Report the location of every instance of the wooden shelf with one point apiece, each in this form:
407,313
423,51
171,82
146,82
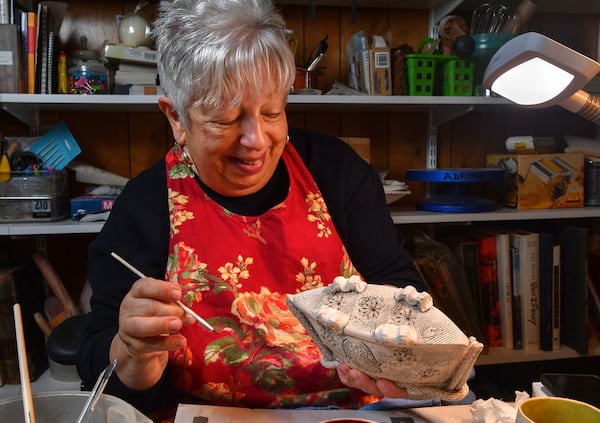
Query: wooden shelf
26,107
501,355
61,227
410,216
400,216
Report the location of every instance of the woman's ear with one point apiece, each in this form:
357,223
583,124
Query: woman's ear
166,106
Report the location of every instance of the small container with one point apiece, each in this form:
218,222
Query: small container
86,74
486,45
65,406
591,183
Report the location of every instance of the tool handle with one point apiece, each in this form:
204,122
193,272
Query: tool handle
55,284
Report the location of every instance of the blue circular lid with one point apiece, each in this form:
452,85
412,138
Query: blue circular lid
450,203
461,175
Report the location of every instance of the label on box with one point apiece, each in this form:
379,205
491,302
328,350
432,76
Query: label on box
380,78
41,208
91,204
542,181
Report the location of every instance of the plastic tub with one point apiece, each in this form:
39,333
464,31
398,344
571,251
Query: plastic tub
486,45
54,407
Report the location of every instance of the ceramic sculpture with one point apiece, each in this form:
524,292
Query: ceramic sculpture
388,332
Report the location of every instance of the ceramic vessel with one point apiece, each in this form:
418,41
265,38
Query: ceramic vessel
388,332
556,410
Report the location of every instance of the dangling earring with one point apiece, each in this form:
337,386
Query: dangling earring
182,155
287,138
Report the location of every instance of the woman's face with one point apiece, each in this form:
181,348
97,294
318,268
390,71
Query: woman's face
235,150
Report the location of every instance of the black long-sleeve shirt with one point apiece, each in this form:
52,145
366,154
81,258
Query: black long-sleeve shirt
138,230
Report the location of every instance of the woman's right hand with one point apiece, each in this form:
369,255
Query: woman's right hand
149,325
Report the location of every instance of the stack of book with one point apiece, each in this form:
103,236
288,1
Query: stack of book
135,69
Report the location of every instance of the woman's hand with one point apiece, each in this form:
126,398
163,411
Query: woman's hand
379,387
149,325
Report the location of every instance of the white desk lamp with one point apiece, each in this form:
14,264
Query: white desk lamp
535,71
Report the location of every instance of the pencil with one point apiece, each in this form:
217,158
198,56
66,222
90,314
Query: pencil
179,303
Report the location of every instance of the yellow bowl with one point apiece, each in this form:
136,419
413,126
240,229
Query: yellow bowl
556,410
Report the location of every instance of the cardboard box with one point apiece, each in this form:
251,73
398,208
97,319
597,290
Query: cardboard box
380,75
90,204
361,145
541,181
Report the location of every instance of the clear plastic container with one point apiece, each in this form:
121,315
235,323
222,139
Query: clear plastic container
55,407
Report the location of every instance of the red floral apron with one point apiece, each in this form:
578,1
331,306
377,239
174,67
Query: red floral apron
235,272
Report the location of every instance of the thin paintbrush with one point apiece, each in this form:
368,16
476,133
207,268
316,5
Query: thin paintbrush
179,303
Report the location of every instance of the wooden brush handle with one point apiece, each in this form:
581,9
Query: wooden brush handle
55,284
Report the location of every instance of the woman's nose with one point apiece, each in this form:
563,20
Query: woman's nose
253,135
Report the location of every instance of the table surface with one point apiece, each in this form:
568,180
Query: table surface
187,413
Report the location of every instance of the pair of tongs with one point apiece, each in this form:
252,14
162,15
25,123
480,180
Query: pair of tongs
101,382
320,53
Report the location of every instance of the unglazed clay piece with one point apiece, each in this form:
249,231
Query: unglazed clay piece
388,332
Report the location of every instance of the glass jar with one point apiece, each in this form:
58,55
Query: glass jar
86,74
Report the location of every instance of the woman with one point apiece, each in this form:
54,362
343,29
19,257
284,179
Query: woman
240,212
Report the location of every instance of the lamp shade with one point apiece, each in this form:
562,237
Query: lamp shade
535,71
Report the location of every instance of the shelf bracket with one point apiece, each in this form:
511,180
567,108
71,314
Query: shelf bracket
440,115
26,114
431,156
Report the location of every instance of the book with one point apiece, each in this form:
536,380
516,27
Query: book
123,53
467,252
136,67
488,284
49,19
574,308
41,54
4,12
23,29
556,287
125,77
515,266
31,50
442,273
10,76
547,294
505,288
528,245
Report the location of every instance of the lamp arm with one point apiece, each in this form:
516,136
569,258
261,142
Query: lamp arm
584,104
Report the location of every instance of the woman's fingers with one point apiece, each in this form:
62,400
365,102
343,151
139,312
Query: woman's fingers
149,318
379,387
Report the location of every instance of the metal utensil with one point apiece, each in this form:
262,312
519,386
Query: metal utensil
101,382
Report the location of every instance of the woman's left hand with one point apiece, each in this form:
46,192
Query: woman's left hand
379,387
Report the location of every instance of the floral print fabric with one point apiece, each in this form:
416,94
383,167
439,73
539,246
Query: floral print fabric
235,272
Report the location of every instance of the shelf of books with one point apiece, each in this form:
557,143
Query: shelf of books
528,289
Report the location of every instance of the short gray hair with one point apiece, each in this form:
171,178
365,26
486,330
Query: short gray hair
211,51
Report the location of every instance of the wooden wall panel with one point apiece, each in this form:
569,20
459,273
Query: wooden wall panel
103,138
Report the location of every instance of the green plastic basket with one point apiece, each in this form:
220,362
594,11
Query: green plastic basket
458,77
437,74
420,73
